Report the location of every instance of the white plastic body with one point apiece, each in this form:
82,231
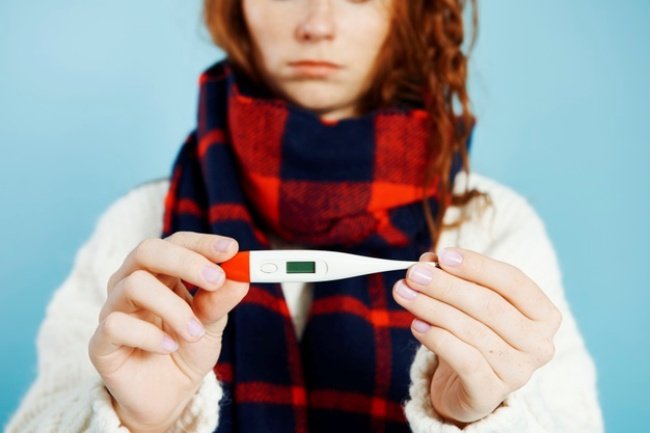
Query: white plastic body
270,266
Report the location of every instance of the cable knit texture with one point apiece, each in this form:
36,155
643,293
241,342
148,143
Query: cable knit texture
68,395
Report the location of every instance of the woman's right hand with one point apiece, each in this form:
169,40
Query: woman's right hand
155,343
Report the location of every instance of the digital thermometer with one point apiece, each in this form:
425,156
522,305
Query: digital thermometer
288,266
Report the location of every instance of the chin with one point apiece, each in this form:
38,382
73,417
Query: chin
318,107
318,98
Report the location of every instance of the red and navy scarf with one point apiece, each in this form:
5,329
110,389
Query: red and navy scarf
257,165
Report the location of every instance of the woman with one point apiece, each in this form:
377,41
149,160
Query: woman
330,125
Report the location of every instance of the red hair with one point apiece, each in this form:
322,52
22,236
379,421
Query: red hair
421,62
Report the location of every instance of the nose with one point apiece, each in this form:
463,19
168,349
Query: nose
317,22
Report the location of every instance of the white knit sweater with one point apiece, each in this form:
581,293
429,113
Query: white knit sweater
68,394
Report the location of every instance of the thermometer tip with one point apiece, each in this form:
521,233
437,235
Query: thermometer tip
238,267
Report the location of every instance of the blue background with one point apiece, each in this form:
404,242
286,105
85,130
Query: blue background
96,97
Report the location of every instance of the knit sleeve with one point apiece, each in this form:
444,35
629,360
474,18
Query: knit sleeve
561,396
68,394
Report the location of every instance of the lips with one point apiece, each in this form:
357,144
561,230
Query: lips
314,68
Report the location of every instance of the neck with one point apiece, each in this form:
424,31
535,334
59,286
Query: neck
334,115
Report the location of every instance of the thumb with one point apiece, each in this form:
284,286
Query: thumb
429,256
211,307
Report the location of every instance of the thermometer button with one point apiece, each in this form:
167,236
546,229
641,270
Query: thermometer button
269,268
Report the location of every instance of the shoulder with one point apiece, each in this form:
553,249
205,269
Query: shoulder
133,217
504,199
509,228
139,211
503,207
506,214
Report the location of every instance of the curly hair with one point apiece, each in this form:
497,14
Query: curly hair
420,63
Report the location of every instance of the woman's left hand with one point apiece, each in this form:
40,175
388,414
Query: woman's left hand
488,323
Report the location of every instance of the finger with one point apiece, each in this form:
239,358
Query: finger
429,256
176,285
211,307
143,291
118,330
181,290
216,248
505,279
499,354
169,258
468,363
479,302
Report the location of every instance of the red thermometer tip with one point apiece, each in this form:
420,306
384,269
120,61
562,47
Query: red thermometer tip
238,268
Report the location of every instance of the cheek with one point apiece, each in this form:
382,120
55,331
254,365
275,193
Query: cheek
365,35
267,28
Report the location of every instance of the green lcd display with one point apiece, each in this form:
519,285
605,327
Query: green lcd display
301,267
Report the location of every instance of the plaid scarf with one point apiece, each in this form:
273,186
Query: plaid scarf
257,165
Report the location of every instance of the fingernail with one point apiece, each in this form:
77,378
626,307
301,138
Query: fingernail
450,257
169,345
404,291
195,328
223,245
420,326
420,274
212,275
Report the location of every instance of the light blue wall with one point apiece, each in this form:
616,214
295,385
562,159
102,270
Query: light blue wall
96,97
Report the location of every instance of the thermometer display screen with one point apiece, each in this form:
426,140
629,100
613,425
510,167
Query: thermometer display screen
301,267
